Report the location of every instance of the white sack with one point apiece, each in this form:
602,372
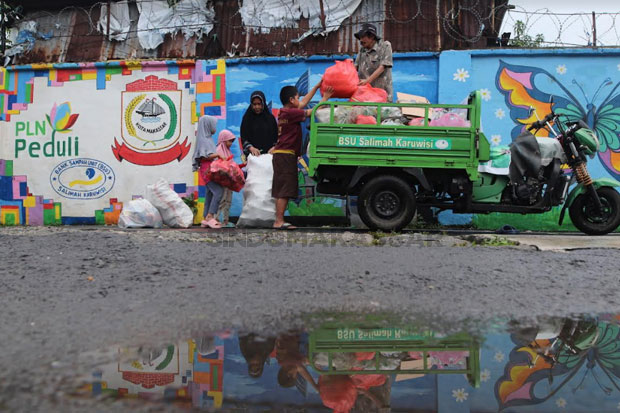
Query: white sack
173,210
139,213
119,20
259,208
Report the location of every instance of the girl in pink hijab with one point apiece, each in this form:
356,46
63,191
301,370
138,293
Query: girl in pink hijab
224,141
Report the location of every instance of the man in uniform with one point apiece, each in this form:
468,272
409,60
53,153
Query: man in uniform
374,61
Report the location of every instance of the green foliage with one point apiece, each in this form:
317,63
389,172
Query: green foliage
191,202
522,39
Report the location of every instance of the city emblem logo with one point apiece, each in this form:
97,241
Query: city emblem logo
151,123
82,178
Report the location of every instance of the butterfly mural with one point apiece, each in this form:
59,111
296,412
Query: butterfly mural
526,86
539,370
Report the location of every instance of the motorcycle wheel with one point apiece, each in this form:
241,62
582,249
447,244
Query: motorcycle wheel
386,203
587,219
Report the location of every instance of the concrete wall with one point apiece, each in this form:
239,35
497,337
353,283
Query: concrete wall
96,152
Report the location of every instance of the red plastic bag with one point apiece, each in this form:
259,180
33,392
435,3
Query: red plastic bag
363,356
366,381
227,173
368,93
365,120
337,392
342,77
416,122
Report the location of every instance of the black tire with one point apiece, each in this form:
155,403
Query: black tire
584,216
386,203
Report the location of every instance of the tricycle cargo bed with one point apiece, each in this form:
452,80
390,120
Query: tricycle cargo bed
338,141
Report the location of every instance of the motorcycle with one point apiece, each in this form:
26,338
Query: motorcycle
541,171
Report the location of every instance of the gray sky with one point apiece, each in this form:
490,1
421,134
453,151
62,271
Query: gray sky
570,29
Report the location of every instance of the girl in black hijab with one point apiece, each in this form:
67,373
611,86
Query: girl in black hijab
259,129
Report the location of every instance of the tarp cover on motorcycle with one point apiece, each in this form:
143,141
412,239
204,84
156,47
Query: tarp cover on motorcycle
524,158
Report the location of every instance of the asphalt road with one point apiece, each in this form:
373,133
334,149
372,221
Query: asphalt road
67,291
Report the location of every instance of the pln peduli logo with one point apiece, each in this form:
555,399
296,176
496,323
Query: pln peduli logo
151,111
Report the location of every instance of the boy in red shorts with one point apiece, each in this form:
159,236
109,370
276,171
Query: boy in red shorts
288,148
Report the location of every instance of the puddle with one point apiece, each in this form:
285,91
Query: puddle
567,365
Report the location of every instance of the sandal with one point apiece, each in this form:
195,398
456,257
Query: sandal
212,223
286,226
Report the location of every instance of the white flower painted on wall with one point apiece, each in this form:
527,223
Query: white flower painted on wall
496,139
499,113
561,69
461,75
460,395
561,403
485,375
486,94
499,357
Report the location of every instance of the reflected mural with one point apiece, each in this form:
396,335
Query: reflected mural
566,364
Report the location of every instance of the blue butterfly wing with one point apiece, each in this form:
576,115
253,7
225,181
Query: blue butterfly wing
606,124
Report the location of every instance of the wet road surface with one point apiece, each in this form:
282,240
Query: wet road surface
69,292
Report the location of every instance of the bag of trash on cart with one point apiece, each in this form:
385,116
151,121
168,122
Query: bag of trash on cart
139,213
259,208
174,212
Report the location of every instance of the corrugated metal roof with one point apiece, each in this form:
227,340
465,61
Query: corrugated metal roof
410,25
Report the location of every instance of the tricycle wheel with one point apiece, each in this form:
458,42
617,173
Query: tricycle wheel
386,203
588,219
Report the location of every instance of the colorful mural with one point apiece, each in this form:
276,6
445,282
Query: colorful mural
188,371
559,365
56,121
582,86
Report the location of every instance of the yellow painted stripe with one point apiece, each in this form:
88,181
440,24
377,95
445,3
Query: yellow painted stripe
84,182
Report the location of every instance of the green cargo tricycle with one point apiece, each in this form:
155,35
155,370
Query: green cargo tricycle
405,352
441,159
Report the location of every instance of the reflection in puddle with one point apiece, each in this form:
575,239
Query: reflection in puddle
572,365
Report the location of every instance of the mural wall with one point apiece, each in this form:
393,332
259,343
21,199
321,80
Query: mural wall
78,140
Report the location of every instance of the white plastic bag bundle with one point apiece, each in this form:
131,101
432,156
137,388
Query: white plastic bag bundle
139,213
259,208
173,210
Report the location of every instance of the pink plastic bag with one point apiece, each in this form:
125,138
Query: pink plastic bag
227,173
367,93
365,120
343,77
450,119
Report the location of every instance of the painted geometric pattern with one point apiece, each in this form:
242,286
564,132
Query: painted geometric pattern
204,79
18,206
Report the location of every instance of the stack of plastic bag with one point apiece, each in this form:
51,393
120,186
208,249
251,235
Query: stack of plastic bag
139,213
173,210
259,208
